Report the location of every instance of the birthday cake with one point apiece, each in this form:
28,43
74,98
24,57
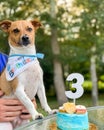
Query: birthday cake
72,117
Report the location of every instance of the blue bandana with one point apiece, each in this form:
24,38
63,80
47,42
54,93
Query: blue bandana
18,63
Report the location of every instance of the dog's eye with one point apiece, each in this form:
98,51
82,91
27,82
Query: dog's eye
29,29
16,30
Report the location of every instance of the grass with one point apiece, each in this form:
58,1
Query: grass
84,100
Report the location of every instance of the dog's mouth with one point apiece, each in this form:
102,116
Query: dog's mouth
24,41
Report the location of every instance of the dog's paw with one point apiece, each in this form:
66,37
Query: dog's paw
38,116
54,111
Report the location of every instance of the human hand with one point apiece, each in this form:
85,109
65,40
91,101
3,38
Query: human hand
9,109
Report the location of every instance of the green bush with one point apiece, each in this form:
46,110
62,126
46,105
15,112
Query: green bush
87,85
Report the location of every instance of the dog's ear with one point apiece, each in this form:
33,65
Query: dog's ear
36,24
4,25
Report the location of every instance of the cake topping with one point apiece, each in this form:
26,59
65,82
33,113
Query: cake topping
80,109
71,108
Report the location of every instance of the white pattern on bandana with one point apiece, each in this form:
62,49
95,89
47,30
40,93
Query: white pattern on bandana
18,63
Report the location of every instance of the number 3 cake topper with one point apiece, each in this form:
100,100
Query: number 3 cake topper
77,85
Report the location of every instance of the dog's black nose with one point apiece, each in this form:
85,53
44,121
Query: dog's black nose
25,40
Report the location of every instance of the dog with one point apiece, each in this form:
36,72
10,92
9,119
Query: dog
23,76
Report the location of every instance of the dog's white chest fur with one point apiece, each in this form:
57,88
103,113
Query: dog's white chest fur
31,79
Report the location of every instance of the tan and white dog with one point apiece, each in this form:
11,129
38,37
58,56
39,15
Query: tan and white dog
25,84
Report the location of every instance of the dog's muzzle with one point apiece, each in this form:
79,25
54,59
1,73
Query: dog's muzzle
25,40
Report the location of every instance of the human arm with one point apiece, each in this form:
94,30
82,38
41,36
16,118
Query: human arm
11,108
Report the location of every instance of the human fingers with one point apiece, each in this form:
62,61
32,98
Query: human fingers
11,108
10,105
10,102
7,119
25,116
9,113
9,116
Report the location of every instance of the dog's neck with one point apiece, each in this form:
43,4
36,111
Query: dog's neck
30,50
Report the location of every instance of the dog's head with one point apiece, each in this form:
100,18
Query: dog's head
21,32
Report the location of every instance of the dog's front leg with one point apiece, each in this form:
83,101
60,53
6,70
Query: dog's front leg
43,100
21,95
